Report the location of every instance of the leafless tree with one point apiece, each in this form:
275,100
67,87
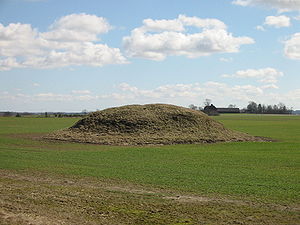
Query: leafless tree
207,102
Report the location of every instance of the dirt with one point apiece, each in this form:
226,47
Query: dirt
39,198
152,124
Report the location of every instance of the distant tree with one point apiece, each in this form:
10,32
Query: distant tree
264,108
192,106
285,110
269,109
252,107
207,102
7,113
231,106
259,109
18,115
281,108
275,109
84,112
46,114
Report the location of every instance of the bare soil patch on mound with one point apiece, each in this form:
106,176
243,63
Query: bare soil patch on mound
151,124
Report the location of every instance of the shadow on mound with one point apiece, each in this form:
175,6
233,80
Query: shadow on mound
151,124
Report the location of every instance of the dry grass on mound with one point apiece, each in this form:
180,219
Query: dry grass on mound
151,124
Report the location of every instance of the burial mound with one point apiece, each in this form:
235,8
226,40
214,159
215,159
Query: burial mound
151,124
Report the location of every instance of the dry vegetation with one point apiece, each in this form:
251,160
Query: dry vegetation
149,125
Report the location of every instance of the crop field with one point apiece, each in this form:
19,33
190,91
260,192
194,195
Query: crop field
52,182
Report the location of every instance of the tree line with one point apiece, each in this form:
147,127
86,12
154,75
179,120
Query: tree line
252,107
280,108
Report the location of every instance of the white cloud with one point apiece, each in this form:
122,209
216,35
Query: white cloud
270,86
264,75
259,27
275,21
52,97
63,97
83,54
292,47
77,95
86,97
81,92
35,84
8,63
71,40
281,5
222,59
163,25
157,39
278,21
18,40
202,23
77,27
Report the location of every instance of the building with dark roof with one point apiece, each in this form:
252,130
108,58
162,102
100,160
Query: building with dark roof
228,110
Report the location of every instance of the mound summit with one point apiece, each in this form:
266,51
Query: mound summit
149,124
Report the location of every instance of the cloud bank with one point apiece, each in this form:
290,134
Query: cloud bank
157,39
222,94
280,5
71,40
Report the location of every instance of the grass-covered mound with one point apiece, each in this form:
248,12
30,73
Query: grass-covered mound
149,124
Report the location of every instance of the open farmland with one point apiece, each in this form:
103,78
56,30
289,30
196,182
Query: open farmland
48,182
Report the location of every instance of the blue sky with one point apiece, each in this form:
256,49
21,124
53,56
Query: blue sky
72,55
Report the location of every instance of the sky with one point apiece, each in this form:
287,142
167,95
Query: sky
74,55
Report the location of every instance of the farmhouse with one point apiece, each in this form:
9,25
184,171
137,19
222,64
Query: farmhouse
211,110
228,110
214,111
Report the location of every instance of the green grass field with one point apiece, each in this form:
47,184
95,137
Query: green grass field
269,171
47,182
